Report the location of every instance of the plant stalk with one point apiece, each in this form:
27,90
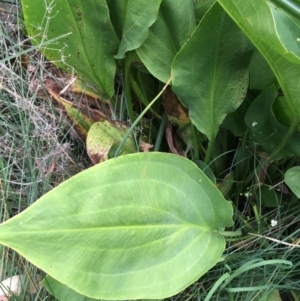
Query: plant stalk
140,117
160,132
231,233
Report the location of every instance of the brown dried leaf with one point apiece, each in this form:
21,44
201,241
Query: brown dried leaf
176,112
145,147
172,142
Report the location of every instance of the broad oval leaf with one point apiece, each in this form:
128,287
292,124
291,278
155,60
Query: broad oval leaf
269,197
207,170
235,121
288,29
256,20
139,16
210,72
292,179
201,7
75,34
282,112
140,225
291,7
266,131
62,292
117,15
175,23
260,73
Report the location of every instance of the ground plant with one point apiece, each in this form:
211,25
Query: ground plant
190,113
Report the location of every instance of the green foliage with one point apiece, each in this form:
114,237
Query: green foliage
266,130
62,292
292,179
272,296
148,225
170,214
288,30
174,25
210,74
256,21
139,16
260,73
104,137
78,29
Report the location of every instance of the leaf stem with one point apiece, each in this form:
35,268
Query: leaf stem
231,233
160,132
140,117
209,150
195,143
139,90
128,95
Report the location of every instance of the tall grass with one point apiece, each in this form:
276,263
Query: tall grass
37,151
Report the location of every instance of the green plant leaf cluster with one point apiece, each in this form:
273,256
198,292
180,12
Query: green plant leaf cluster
195,43
264,35
147,225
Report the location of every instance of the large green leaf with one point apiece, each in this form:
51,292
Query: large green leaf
63,292
210,73
292,179
266,130
261,75
254,17
140,225
175,23
89,41
117,10
282,112
139,16
235,121
288,29
201,7
292,7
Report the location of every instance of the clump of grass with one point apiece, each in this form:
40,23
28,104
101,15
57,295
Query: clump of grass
37,151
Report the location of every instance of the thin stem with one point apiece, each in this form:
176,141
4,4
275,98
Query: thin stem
160,133
128,95
195,143
140,117
209,150
139,90
231,233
